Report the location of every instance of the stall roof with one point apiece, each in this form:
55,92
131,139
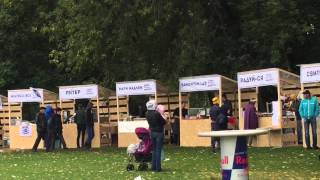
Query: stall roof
267,77
88,91
141,87
4,98
206,83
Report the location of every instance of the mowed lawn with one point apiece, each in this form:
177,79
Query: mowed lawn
182,163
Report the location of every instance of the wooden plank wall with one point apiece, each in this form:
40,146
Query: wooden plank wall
16,113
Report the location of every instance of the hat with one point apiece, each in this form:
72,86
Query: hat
42,107
215,100
253,100
293,96
306,92
58,109
151,105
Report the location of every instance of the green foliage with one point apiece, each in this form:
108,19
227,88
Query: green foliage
50,43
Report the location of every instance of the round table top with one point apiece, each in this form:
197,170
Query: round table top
230,133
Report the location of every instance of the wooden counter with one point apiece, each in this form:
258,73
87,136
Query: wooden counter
189,130
285,135
69,134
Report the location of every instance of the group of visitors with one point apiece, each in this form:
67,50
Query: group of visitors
306,110
49,127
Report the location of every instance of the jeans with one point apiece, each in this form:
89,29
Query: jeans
299,131
90,132
313,124
157,143
62,141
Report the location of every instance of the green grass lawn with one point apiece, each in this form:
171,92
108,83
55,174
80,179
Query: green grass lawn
183,163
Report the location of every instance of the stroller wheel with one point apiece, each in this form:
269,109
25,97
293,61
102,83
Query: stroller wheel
130,167
143,167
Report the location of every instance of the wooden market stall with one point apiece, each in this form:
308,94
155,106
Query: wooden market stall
281,122
22,132
127,123
191,126
68,95
310,80
4,121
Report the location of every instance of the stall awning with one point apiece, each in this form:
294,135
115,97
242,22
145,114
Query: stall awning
30,95
266,77
89,91
143,87
310,73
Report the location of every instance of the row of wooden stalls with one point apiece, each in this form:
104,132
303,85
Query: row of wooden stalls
115,123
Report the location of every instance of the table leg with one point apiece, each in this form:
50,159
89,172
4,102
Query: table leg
234,158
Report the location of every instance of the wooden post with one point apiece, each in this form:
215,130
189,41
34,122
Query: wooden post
118,114
180,114
220,92
60,103
239,106
98,109
128,113
257,99
279,99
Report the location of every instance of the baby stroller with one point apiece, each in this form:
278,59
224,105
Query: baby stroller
141,152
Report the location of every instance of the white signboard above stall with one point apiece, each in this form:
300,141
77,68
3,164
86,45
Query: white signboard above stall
258,78
310,74
78,92
200,83
136,88
25,95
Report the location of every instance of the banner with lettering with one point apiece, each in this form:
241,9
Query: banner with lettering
200,83
25,95
310,74
78,92
258,78
136,88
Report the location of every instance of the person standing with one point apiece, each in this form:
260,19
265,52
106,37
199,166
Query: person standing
227,104
176,123
214,113
294,107
250,117
80,120
41,123
309,110
89,125
156,124
51,128
58,125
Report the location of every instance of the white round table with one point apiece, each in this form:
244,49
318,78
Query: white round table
234,154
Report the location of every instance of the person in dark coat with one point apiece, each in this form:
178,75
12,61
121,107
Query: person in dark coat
59,133
41,123
156,124
294,107
89,125
214,112
228,105
80,120
176,124
51,128
250,117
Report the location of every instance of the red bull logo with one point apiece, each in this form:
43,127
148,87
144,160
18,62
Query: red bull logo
225,160
241,160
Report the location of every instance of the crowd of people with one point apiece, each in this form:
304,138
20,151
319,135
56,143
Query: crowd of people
305,108
50,128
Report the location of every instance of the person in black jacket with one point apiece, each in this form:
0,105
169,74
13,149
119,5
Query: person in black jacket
41,123
156,124
58,126
89,125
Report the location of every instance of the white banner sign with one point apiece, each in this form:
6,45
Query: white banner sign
130,126
25,129
257,79
26,95
136,88
310,74
78,92
207,83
